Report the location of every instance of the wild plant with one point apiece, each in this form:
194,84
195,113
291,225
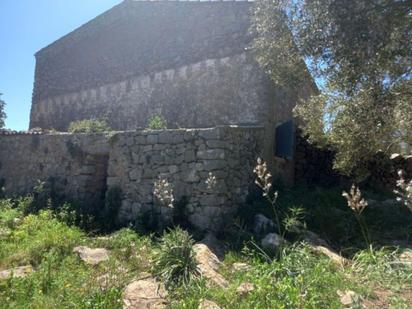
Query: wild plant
175,261
211,181
264,181
404,190
89,126
162,197
163,192
157,122
358,204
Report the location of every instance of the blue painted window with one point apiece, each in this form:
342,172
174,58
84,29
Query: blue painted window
285,140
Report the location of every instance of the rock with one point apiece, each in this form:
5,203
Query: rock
18,272
5,232
92,256
208,304
145,293
320,246
348,298
271,242
262,224
245,288
208,265
215,245
314,239
406,257
396,157
334,256
241,266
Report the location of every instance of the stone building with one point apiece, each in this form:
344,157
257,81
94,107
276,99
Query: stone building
185,60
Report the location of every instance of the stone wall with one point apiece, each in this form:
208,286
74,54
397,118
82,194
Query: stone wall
222,91
77,164
185,158
84,166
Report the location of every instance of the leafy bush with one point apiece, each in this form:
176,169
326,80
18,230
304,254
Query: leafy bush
89,126
157,122
175,260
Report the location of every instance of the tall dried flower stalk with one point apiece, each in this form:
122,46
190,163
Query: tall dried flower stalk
404,191
264,181
358,204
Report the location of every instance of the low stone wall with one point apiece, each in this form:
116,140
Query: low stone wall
86,165
76,163
185,158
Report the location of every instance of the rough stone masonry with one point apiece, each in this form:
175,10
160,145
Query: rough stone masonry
85,166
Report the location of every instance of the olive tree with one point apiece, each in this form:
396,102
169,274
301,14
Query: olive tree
360,52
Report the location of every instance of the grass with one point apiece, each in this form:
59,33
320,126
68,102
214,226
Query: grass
301,279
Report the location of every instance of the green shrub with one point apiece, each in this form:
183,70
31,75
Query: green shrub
157,122
175,262
38,235
89,126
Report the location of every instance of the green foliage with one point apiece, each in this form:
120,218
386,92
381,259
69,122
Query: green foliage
382,266
157,122
89,126
361,54
301,279
2,112
175,261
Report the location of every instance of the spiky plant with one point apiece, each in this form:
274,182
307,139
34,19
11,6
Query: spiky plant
175,261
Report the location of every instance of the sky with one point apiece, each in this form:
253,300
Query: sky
26,26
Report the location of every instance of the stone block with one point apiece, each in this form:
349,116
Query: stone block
211,154
135,174
173,169
210,165
152,138
88,170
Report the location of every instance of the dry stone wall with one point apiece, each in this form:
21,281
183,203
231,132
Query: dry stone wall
186,159
77,164
84,166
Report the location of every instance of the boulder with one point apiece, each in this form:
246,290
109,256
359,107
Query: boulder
348,298
240,267
334,256
320,246
314,239
271,242
406,257
92,256
262,224
145,293
208,265
208,304
244,289
17,272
